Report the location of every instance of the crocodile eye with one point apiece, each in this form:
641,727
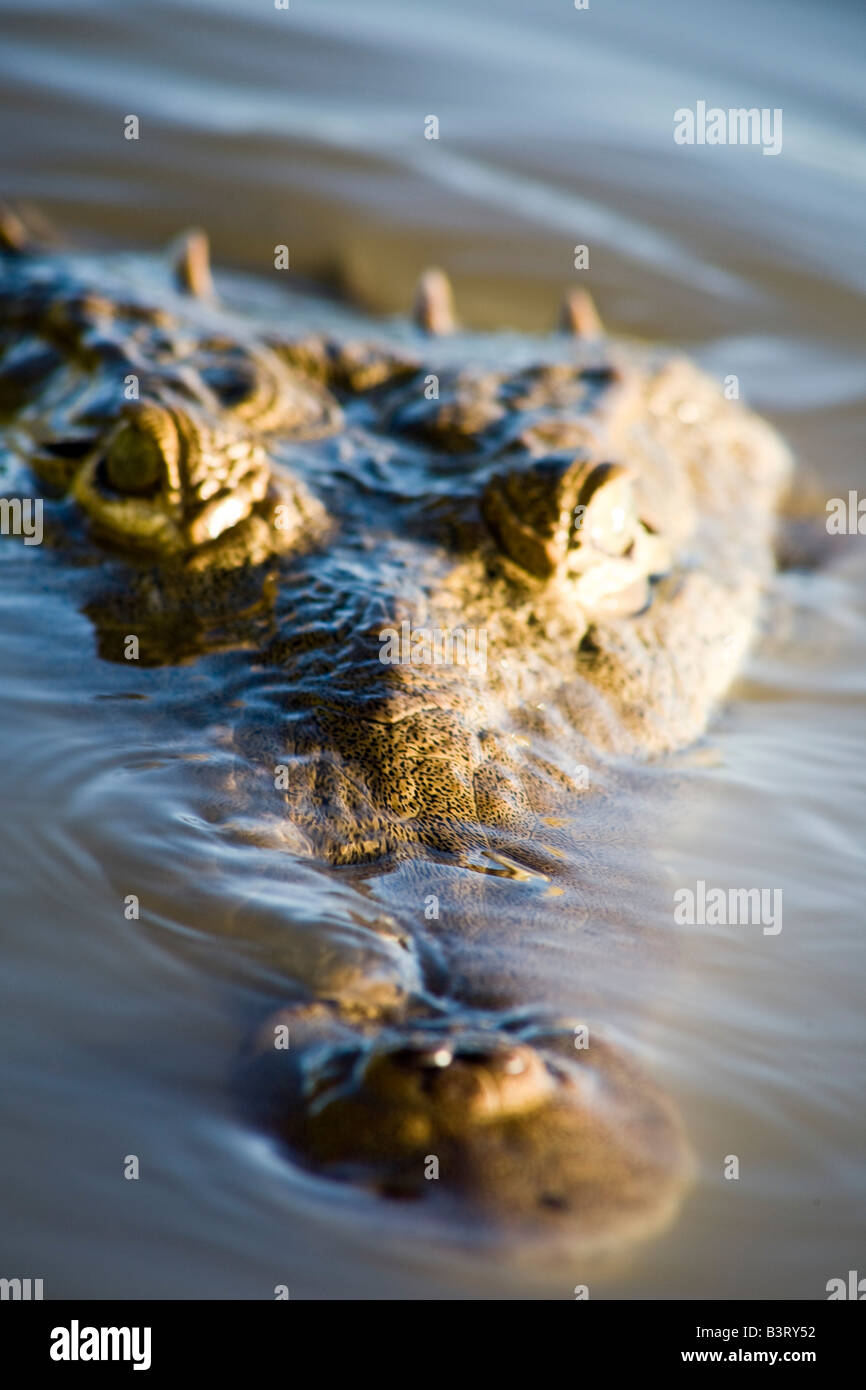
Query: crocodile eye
529,510
133,463
137,456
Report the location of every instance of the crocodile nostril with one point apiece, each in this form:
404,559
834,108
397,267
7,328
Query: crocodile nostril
421,1056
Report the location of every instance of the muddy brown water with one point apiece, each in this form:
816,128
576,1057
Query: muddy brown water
306,127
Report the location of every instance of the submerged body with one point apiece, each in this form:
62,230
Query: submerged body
475,578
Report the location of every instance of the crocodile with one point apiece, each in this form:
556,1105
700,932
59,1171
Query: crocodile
478,581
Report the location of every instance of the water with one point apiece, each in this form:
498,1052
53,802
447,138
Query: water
306,128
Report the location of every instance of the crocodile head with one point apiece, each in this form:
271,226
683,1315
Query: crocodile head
586,515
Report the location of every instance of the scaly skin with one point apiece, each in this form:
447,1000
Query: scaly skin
599,512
